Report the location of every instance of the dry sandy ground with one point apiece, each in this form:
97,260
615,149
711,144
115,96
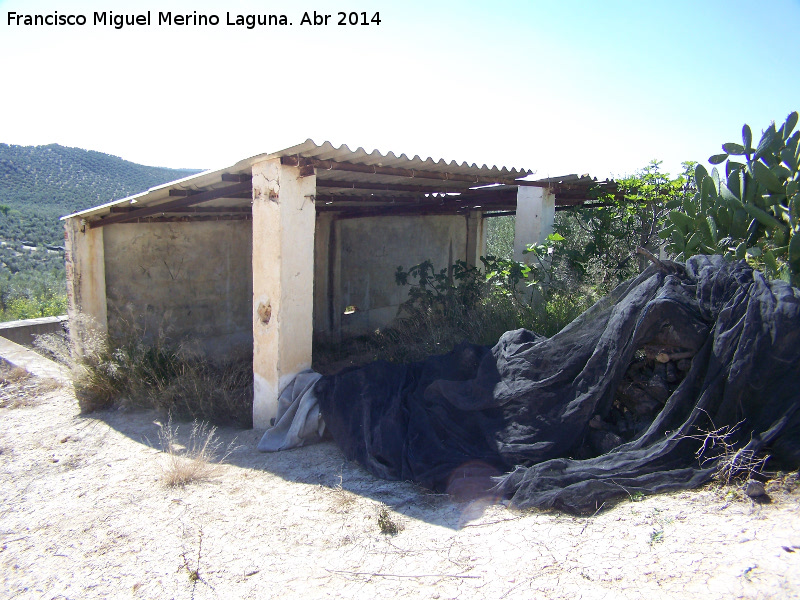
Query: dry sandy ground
85,514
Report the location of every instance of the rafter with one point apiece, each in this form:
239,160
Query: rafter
172,205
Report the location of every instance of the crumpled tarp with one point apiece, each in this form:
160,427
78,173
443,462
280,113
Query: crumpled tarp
514,416
298,421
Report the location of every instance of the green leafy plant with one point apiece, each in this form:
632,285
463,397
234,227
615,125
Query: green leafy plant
751,213
459,286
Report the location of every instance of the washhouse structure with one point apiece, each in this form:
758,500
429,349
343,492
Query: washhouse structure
284,247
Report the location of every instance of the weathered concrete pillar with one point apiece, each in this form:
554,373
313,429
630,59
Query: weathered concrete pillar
283,281
476,237
536,210
86,281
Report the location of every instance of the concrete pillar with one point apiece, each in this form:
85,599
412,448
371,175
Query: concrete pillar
86,281
476,237
536,210
283,281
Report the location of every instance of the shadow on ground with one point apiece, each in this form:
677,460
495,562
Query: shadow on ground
320,464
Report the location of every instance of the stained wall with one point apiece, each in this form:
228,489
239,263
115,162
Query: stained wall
191,281
356,259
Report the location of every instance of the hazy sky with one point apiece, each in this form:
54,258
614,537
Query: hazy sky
558,87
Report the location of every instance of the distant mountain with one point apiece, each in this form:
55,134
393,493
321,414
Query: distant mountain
39,184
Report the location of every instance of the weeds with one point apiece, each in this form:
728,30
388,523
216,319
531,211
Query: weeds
461,303
193,573
386,524
198,460
656,536
425,332
135,368
718,446
343,499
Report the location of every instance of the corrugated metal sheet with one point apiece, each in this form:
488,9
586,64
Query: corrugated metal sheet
325,151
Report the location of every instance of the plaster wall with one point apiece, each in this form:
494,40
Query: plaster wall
194,279
360,257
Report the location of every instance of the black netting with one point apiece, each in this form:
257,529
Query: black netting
612,405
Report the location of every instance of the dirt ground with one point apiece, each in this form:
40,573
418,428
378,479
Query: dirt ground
85,514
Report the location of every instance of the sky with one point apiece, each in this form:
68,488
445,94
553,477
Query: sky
557,87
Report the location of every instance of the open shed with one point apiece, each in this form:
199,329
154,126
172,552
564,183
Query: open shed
272,251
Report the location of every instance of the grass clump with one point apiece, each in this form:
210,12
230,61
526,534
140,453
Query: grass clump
197,460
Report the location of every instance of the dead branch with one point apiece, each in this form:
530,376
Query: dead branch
651,257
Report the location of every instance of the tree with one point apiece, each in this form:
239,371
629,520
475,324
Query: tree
600,246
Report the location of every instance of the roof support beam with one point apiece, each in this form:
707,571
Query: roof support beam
195,210
194,218
236,177
173,205
587,205
502,213
388,187
417,212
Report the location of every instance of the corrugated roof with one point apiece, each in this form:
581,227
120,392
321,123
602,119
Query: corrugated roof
325,151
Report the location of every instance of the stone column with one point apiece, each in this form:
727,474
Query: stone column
86,281
283,281
536,210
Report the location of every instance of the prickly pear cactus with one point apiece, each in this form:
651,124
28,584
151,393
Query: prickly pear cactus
753,212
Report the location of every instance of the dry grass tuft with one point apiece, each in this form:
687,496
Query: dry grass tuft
342,501
198,460
141,368
19,389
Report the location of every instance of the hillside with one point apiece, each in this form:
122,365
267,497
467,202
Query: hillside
38,185
43,183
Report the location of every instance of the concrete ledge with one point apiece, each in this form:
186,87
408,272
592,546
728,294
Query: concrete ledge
33,363
23,332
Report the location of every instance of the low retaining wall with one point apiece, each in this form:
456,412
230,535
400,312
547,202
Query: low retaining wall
33,363
23,332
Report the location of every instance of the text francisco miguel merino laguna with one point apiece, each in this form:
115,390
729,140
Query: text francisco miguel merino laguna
118,21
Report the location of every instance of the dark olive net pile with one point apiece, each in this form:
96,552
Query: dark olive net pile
616,403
